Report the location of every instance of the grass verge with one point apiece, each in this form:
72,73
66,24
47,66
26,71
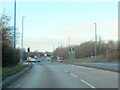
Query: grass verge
77,60
7,71
89,59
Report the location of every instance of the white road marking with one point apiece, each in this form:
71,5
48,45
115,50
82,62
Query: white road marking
80,79
87,83
73,74
69,73
65,71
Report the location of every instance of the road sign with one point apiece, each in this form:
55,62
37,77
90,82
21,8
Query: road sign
71,50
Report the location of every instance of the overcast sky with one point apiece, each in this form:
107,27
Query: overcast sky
48,23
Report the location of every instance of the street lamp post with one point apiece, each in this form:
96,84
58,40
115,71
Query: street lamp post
22,50
14,24
95,40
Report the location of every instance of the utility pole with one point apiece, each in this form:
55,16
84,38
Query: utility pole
69,51
53,48
14,24
58,50
95,40
22,49
61,45
69,47
69,41
53,54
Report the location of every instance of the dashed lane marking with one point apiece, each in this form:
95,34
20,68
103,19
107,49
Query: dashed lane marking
65,71
80,79
73,75
87,83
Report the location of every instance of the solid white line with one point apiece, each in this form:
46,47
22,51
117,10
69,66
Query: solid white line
73,74
87,83
65,71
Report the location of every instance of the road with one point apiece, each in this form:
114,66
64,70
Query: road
58,75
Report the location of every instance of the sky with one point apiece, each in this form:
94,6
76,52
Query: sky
48,25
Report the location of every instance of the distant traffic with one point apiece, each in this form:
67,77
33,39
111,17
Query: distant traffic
43,58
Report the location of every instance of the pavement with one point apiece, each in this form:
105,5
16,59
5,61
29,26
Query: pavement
47,74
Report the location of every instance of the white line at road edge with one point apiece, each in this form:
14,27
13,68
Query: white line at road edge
87,83
65,70
73,74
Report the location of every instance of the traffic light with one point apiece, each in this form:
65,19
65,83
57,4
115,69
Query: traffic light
29,49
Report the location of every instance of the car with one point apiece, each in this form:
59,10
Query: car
29,59
48,58
51,60
38,59
33,60
60,59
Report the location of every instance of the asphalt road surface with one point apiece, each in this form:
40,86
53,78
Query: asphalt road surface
58,75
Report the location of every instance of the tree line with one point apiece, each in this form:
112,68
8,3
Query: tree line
108,50
10,56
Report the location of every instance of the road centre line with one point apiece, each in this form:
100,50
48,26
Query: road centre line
87,83
80,79
73,74
70,73
65,71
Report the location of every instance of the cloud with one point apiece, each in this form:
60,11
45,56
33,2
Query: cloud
78,33
40,43
108,30
85,31
107,23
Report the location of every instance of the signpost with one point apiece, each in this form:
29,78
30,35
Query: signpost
72,54
71,50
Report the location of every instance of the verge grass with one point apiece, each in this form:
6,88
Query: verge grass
7,71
